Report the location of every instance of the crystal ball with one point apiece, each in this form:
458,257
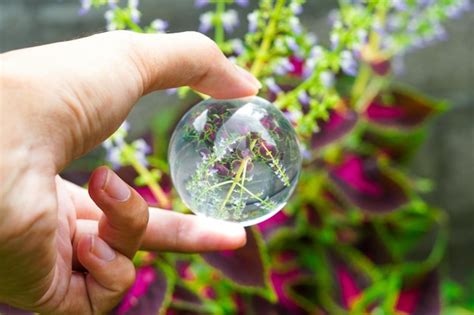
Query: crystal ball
235,160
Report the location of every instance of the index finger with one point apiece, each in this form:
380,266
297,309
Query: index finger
168,230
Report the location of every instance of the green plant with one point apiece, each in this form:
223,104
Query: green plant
344,243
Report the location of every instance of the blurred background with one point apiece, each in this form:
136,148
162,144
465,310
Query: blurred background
444,70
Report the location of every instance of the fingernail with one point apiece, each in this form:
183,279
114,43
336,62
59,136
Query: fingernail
249,77
101,250
116,188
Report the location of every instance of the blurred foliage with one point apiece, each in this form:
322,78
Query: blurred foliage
351,239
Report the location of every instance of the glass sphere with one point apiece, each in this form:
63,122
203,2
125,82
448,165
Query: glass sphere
236,160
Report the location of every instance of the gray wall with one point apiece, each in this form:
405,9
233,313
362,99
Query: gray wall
444,70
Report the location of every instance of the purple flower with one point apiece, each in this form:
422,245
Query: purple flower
242,3
327,78
201,3
333,16
296,8
315,54
292,44
205,22
303,97
133,3
112,4
159,25
230,20
439,32
283,66
295,25
253,21
348,63
237,46
293,116
85,6
400,5
272,86
135,14
334,39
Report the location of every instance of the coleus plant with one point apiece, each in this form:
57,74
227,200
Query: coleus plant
347,243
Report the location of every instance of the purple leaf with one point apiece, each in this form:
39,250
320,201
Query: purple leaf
397,146
363,183
282,282
381,67
400,109
305,293
175,311
430,300
338,125
272,226
260,306
349,288
423,299
184,298
244,266
148,295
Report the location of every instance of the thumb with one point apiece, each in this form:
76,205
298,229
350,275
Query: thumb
95,81
110,274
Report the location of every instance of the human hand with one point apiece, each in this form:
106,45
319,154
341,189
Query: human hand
59,101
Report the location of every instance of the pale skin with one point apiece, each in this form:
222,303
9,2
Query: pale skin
65,250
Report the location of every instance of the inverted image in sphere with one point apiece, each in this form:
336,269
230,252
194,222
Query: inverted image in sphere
236,160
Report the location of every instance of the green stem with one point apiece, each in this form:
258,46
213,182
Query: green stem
284,99
369,295
354,258
253,195
268,37
244,175
360,83
279,170
134,27
433,260
128,154
218,24
236,180
392,291
387,239
371,91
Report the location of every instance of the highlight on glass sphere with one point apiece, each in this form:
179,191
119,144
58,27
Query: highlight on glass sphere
235,160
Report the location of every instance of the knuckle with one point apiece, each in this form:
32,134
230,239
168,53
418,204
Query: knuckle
208,55
128,45
208,45
138,218
204,44
128,278
123,282
181,229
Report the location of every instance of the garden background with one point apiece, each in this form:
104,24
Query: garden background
444,70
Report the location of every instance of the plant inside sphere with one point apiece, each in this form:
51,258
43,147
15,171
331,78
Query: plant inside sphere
236,160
